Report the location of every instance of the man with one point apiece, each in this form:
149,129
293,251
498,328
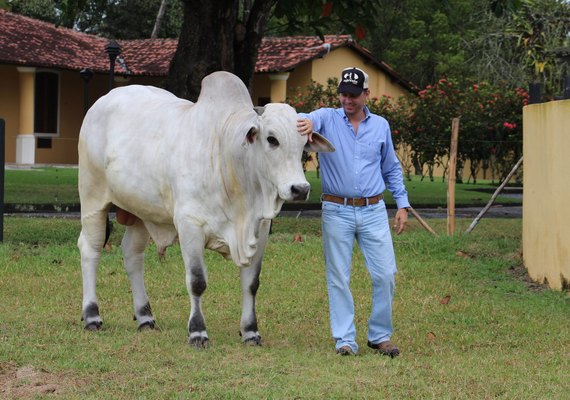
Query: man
353,179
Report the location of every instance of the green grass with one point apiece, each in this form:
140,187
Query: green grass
59,186
497,337
41,186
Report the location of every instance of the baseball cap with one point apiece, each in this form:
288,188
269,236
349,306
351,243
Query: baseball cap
353,80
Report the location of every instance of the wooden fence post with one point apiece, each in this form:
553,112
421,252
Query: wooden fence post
451,177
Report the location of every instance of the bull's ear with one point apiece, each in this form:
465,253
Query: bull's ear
259,110
319,144
251,135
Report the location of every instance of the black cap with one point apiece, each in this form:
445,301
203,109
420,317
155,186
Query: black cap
352,80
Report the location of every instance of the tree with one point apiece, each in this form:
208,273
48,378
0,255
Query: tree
226,34
130,19
217,35
159,19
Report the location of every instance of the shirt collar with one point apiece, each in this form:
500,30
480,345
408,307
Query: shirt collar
343,114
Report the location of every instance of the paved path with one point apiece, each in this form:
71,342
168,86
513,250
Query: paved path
426,213
468,212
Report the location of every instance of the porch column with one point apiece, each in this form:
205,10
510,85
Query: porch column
278,87
26,141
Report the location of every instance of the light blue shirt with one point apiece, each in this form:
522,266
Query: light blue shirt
364,164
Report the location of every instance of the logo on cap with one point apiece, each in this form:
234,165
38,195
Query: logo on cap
350,77
353,80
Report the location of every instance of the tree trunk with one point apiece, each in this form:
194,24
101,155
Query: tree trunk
246,44
213,38
159,19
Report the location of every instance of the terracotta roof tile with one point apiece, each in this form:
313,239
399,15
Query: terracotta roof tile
148,56
29,42
278,54
26,41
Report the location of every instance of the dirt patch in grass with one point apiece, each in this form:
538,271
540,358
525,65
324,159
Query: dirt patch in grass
27,382
520,273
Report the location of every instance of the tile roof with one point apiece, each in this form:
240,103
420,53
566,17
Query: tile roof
28,42
279,54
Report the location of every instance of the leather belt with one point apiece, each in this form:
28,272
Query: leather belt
355,202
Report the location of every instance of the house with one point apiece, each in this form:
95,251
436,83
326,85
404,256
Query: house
50,75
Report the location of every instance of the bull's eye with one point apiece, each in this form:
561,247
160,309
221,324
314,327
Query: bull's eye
273,142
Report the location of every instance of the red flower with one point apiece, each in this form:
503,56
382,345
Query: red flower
327,9
360,32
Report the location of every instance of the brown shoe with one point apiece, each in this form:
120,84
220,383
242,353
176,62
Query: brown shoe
386,348
345,351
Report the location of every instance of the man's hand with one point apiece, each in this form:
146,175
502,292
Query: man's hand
305,127
400,220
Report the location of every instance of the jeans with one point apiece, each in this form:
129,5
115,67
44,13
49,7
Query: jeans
370,227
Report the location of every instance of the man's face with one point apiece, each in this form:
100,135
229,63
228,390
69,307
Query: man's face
353,104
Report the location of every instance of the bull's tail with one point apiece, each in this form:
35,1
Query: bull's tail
108,230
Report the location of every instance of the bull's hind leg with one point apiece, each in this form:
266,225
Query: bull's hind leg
133,244
90,242
249,285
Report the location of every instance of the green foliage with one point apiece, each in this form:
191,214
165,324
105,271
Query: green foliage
129,19
113,19
490,125
39,9
540,27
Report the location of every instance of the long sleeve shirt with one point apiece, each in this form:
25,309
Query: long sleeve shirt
364,164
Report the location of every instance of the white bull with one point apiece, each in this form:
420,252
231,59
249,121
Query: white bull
213,173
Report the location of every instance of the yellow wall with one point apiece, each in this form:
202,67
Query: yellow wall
330,66
546,220
71,109
64,145
9,108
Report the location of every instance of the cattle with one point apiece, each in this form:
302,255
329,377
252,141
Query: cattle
210,174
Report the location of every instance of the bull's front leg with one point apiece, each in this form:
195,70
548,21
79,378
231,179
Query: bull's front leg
249,285
192,246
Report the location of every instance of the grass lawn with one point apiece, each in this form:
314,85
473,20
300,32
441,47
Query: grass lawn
468,323
59,186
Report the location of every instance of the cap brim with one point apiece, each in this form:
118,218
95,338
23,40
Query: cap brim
349,88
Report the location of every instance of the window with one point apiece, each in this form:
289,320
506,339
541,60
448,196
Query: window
46,103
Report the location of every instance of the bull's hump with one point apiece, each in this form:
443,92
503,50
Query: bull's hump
224,89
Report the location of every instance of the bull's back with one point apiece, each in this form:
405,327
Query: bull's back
125,140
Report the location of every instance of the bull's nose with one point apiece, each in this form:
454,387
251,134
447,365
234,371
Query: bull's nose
300,192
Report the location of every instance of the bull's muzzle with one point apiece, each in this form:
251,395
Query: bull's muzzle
300,191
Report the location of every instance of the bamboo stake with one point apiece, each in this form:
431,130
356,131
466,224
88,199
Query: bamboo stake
422,222
492,200
451,181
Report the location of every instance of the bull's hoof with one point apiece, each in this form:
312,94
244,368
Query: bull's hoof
147,326
93,326
199,342
253,341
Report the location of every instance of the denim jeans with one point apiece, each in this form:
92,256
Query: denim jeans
370,227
